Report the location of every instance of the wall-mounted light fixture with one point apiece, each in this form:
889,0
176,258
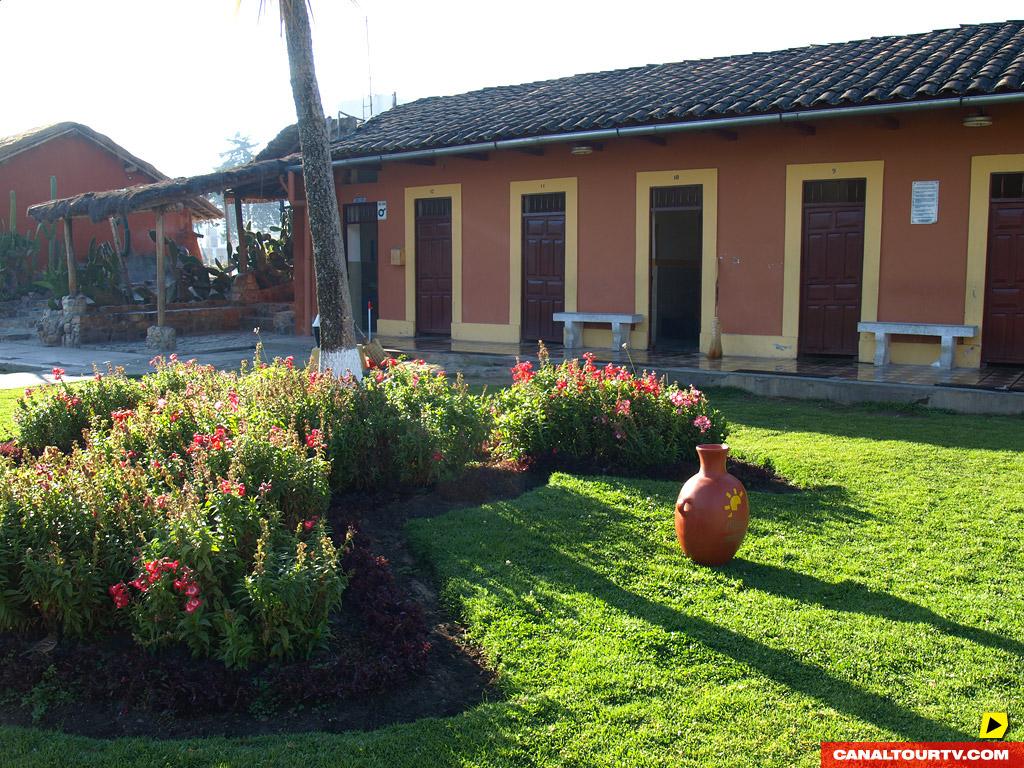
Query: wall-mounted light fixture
581,149
978,120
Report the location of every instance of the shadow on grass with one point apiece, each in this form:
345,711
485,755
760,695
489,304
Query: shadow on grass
853,597
873,421
563,554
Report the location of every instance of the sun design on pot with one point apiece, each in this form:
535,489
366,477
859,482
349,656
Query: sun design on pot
733,499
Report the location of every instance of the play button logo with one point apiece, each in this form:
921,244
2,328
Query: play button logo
994,725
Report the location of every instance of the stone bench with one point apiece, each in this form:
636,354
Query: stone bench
948,333
573,335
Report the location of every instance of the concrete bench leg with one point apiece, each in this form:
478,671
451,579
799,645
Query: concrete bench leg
946,356
618,336
571,335
881,349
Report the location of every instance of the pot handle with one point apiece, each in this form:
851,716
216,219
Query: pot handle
685,507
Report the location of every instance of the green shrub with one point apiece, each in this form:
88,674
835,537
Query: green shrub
606,418
191,507
56,414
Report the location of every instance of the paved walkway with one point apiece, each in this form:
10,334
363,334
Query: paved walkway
24,363
985,390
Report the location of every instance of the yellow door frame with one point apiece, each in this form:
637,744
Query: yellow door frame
707,178
982,168
570,187
407,327
796,174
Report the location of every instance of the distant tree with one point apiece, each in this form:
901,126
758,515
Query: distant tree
262,215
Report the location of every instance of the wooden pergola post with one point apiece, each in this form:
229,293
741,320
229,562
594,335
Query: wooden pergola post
161,278
69,249
243,251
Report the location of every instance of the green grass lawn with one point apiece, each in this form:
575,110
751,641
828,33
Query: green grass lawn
883,603
8,403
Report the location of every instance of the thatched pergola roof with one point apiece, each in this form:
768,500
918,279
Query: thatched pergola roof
263,180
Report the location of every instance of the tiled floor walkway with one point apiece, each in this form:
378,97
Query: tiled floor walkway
1005,379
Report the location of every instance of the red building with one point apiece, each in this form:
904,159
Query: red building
862,200
82,160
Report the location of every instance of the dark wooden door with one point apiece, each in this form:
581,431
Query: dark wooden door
434,266
1003,328
831,267
543,266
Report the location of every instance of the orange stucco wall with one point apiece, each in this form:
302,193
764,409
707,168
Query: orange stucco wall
922,272
81,165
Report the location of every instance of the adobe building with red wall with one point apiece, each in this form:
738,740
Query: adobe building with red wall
810,190
82,160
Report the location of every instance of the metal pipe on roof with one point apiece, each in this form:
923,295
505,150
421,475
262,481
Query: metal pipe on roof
603,134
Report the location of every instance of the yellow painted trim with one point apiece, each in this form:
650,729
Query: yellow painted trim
982,168
645,181
485,332
396,327
517,189
751,345
412,194
873,171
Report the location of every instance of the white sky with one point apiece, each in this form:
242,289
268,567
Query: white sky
170,80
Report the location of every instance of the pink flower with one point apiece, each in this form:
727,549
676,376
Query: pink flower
97,377
265,487
233,400
622,407
703,423
58,373
28,392
678,398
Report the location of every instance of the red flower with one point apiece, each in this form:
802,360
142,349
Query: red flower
121,416
290,362
438,456
58,373
308,524
522,372
622,407
97,377
119,594
314,439
229,488
192,603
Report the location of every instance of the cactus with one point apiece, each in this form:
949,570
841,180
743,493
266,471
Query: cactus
12,223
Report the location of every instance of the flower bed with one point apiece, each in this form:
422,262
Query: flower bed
581,415
189,507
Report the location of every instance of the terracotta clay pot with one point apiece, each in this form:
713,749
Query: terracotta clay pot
712,513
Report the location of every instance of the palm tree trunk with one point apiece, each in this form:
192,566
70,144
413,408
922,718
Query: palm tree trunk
337,332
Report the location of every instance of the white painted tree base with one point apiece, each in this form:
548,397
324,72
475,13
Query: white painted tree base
341,362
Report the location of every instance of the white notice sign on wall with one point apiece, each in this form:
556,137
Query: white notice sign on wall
382,209
924,202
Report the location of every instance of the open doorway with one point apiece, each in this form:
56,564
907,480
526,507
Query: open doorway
361,255
676,251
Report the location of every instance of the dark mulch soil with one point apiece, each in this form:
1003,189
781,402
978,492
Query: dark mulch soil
396,656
